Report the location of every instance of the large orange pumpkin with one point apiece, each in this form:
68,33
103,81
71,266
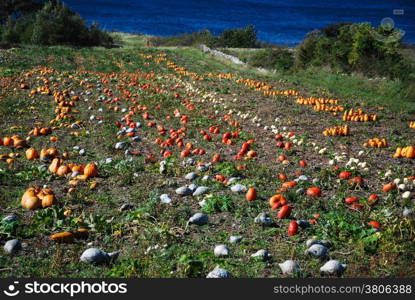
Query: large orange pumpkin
31,154
91,170
314,191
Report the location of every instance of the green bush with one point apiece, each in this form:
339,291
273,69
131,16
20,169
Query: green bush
355,48
238,38
234,38
272,58
51,24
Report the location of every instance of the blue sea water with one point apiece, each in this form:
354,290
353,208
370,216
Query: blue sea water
283,22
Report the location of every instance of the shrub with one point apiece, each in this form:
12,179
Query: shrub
238,38
51,24
355,48
234,38
272,58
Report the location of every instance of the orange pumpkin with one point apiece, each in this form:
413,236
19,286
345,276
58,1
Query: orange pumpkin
284,212
48,200
345,175
289,184
410,152
63,237
29,199
91,170
374,224
18,142
251,194
62,170
389,187
31,154
350,200
251,154
216,158
373,199
398,152
277,200
53,167
314,191
282,177
292,228
7,141
355,181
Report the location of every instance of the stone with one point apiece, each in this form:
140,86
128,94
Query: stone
317,251
74,174
303,223
333,267
263,219
12,246
183,191
238,188
221,250
232,180
9,219
262,255
203,168
97,256
120,145
207,178
289,267
163,167
200,191
313,241
165,199
234,239
199,219
408,213
219,273
191,176
192,187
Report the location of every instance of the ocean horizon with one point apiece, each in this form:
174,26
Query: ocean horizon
276,21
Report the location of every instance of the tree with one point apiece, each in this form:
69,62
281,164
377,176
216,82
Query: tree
18,8
238,38
52,24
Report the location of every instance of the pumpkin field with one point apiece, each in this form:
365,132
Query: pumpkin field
168,162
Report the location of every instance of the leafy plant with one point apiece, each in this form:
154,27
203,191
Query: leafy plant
218,204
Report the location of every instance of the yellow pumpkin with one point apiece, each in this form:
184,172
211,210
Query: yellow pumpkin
398,152
63,237
53,167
